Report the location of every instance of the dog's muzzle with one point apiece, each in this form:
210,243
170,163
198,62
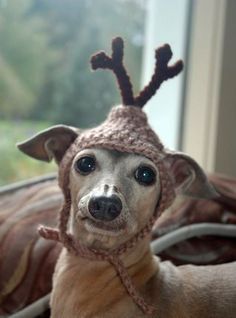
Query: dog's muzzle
105,207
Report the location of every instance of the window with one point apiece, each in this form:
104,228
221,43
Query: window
167,22
45,76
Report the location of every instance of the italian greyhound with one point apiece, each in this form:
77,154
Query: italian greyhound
116,179
113,195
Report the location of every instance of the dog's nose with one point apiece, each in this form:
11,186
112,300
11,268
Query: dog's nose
105,208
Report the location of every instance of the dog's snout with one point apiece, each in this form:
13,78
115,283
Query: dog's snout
105,208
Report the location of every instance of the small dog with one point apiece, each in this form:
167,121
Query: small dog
113,196
116,179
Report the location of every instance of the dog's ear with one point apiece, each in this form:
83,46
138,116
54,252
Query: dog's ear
188,177
49,144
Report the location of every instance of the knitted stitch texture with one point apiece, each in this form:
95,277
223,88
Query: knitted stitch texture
126,130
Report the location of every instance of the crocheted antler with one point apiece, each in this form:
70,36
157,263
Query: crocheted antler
162,71
115,63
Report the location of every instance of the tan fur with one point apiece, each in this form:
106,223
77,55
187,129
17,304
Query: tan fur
92,289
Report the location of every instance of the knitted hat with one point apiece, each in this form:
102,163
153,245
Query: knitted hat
126,129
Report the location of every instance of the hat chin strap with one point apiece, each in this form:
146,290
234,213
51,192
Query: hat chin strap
112,256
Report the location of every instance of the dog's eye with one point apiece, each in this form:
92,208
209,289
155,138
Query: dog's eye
145,175
85,165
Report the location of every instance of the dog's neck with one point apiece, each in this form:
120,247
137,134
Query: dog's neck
94,282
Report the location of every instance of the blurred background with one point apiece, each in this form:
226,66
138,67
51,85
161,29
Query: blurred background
45,77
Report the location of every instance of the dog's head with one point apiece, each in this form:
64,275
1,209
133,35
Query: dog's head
113,196
114,193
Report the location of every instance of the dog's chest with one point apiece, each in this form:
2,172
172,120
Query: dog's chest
101,294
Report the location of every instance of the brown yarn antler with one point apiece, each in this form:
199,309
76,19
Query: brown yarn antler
115,63
162,71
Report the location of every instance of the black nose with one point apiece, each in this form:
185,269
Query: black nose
105,208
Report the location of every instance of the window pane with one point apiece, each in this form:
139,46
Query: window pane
45,78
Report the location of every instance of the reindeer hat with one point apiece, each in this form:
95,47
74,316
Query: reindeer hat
126,129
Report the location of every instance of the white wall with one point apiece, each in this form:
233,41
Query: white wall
204,80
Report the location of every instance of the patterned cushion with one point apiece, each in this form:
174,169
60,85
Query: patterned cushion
26,260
